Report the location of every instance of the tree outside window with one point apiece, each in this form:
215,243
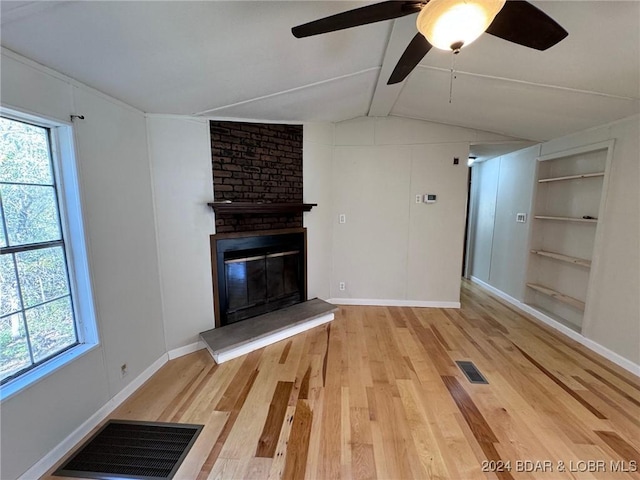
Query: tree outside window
37,318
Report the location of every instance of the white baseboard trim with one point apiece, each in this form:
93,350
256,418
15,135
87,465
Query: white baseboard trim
51,458
268,339
186,350
376,302
590,344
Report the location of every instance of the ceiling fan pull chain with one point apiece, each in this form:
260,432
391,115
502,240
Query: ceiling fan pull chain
453,69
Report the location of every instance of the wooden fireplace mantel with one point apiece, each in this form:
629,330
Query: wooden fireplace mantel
254,208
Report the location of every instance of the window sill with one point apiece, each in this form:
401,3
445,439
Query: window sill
33,376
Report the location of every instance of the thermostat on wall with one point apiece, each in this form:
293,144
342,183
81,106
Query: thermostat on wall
429,198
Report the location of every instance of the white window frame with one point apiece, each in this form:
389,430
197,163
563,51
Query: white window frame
66,176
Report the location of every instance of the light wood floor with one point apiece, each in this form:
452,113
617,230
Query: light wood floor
376,394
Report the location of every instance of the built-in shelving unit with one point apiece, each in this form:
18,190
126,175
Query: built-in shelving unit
564,258
566,299
566,219
571,177
567,206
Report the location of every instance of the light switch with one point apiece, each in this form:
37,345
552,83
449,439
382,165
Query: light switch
342,218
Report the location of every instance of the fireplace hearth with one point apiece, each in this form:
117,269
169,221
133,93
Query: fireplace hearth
257,272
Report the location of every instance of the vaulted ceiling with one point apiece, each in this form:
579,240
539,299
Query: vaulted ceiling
239,60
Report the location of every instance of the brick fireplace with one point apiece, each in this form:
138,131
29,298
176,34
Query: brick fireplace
256,163
258,253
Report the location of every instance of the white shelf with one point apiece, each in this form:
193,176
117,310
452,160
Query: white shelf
568,185
564,258
567,219
571,177
561,297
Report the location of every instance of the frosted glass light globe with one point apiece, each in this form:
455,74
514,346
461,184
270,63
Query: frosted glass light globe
451,24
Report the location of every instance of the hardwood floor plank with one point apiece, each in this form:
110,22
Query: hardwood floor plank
537,328
213,423
148,404
278,462
184,405
258,468
428,453
268,439
363,462
440,338
376,394
395,365
330,442
635,420
397,316
296,457
226,468
213,390
479,426
208,464
345,435
456,323
434,350
316,405
236,387
557,381
326,358
304,386
618,390
285,352
182,396
391,425
620,446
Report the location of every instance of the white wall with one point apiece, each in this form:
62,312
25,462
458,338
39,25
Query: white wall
485,187
317,165
115,182
371,187
390,248
510,239
612,316
180,153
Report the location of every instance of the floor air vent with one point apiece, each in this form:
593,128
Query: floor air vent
471,372
134,450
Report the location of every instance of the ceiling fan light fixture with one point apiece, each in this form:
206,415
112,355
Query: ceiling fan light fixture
453,24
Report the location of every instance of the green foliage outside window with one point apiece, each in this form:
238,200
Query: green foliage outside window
36,312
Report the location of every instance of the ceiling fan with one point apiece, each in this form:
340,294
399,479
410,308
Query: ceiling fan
448,25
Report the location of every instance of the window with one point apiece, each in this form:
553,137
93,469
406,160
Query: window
38,281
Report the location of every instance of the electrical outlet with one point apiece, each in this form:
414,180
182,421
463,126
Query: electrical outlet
123,370
418,198
521,217
342,218
342,287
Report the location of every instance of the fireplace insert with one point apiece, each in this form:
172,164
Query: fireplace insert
257,272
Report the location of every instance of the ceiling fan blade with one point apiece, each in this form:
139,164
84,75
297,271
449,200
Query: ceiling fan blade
522,23
415,51
359,16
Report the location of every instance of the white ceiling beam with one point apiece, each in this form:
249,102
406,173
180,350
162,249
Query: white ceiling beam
385,96
210,111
